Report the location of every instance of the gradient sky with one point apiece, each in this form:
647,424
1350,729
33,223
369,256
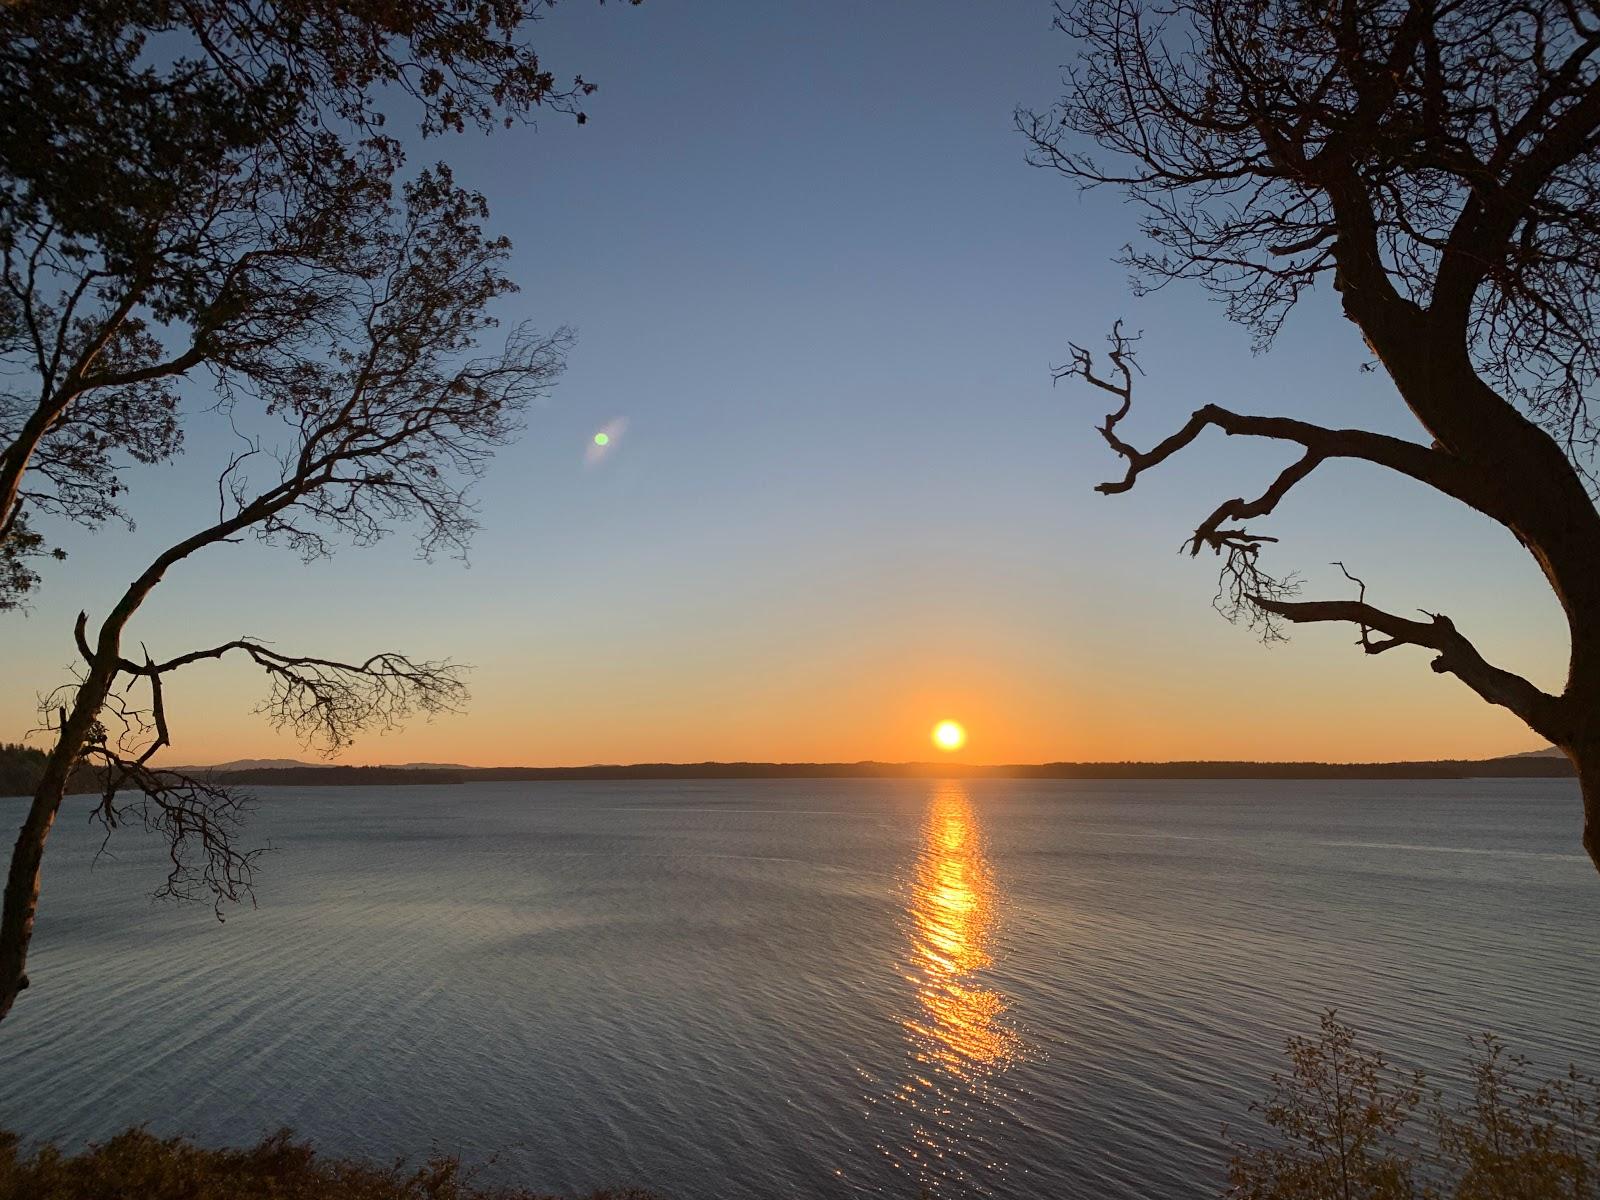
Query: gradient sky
811,272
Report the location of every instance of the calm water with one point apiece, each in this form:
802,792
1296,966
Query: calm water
801,988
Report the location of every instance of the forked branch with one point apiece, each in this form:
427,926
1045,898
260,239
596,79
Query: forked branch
1422,463
322,700
199,820
1242,578
328,702
1123,364
1247,592
1455,654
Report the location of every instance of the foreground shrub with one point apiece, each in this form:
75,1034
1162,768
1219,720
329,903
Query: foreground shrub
1347,1125
138,1166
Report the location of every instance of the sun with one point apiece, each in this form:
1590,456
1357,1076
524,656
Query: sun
949,735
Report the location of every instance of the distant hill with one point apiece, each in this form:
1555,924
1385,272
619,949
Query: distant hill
1547,752
246,764
335,776
20,768
290,764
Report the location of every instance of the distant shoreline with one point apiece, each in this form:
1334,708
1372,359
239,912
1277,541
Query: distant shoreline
335,776
22,774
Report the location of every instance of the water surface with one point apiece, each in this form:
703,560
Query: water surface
819,988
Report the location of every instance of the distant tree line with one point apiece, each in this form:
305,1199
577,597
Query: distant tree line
22,767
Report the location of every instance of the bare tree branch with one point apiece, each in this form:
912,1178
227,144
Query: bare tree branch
1455,655
1422,463
1242,579
326,701
384,412
201,823
1439,165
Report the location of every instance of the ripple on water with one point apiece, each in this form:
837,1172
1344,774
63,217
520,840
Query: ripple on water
823,988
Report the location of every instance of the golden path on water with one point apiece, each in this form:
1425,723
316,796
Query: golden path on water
954,910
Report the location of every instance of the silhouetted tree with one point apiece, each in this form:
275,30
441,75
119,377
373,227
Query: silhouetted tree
1437,163
207,189
386,416
171,176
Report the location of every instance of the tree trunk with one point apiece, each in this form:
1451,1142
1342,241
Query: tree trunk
22,881
1585,757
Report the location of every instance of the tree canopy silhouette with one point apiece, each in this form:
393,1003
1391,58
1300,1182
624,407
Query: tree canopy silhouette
178,183
1436,162
207,191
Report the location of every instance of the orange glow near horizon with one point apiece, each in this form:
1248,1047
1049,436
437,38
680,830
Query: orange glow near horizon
881,715
622,696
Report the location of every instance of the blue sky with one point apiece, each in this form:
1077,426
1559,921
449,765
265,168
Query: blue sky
810,269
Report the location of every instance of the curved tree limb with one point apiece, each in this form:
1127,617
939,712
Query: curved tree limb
1456,655
1425,464
1439,164
1247,591
390,425
1212,532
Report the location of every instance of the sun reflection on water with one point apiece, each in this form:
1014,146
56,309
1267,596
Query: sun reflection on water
953,918
959,1034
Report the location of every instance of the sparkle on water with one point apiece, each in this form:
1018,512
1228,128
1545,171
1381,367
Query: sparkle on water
953,915
842,989
960,1036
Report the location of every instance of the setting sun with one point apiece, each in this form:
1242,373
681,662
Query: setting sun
949,735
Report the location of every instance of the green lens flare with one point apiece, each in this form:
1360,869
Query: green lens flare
602,439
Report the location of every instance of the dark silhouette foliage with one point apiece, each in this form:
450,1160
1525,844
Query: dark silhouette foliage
20,768
208,192
175,179
138,1164
1437,165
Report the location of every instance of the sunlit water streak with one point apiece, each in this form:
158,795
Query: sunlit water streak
959,1035
817,988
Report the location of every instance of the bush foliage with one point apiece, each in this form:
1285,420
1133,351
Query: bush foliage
1345,1124
139,1166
